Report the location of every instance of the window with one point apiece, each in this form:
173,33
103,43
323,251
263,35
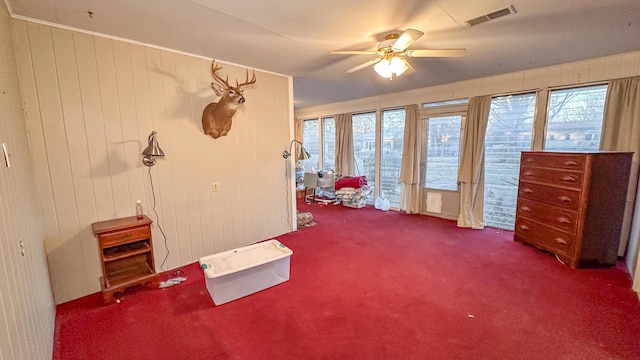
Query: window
508,134
391,159
574,118
310,141
370,145
364,147
443,149
328,144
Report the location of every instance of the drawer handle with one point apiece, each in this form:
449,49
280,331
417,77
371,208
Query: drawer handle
563,220
528,173
527,190
570,163
568,178
524,227
126,235
565,199
525,209
561,241
529,160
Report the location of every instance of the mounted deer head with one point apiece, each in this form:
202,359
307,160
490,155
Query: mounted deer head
216,117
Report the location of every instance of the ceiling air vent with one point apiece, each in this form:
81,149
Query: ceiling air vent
491,16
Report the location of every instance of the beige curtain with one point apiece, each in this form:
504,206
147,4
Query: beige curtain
410,182
345,159
298,127
471,174
621,132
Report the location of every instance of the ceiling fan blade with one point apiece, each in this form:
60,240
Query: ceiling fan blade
352,52
364,65
406,39
410,69
436,53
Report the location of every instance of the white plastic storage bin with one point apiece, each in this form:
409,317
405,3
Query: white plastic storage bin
232,274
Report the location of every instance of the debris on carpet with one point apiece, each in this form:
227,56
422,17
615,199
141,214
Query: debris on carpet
175,281
305,219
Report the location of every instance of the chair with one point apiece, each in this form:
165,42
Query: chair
310,183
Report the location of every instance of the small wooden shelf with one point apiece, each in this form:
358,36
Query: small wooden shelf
126,254
129,274
126,250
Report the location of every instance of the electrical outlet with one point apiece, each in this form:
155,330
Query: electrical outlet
215,187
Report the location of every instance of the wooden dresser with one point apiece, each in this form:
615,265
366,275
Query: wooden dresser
126,254
571,204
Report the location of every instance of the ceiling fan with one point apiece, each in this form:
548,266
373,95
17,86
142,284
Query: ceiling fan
391,62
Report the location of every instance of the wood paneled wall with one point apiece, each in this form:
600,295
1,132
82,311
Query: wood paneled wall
91,103
27,309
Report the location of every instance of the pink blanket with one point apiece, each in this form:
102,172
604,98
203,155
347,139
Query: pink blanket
353,181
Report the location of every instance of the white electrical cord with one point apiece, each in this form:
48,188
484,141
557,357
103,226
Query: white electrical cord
287,173
153,193
178,278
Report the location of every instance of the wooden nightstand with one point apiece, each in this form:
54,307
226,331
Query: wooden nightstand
126,254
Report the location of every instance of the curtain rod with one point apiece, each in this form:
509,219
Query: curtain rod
568,86
534,90
590,83
559,87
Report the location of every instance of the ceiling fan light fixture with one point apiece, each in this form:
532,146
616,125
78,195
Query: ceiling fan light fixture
390,68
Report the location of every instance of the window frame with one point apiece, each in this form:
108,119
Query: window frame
568,137
325,147
386,173
505,219
423,165
440,111
369,145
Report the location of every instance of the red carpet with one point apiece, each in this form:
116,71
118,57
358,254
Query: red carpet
367,284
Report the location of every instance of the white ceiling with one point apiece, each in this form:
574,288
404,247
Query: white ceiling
294,37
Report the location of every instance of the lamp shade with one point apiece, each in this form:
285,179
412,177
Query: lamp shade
389,68
303,154
153,149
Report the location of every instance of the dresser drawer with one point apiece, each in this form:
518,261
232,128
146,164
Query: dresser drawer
551,215
562,161
550,176
565,198
124,236
544,236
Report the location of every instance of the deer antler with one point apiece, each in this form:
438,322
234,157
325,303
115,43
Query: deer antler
247,82
225,82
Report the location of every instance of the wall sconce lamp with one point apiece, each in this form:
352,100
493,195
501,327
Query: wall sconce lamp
301,155
152,150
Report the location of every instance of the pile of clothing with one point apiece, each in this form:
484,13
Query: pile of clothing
352,191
